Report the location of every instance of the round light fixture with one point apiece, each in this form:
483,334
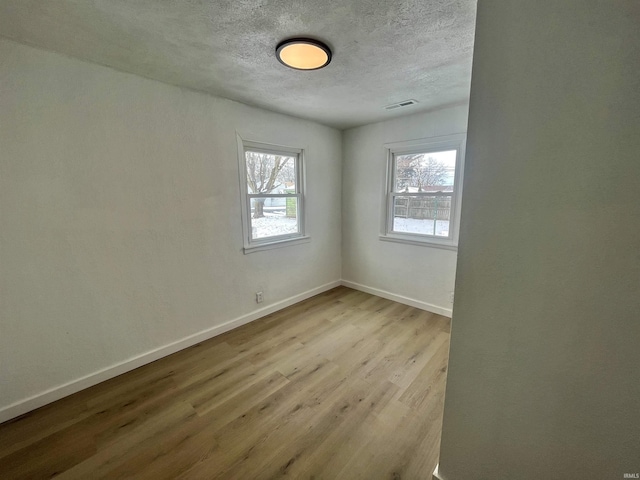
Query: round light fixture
303,54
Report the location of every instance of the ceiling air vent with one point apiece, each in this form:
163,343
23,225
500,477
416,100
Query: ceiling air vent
404,103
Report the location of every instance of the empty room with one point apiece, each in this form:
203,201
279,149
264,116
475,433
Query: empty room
320,240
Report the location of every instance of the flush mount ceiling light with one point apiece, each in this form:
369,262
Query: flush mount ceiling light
303,54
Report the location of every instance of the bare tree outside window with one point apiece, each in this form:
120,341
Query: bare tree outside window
268,173
416,171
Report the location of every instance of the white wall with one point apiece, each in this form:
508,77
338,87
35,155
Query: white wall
424,274
120,219
544,377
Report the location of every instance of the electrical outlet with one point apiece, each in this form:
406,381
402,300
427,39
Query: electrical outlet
259,297
450,297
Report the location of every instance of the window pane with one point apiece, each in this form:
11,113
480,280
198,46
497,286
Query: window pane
425,172
422,215
270,173
271,217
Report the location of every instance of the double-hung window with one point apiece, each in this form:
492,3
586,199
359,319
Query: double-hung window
271,181
423,191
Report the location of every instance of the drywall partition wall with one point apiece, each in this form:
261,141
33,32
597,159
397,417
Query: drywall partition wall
419,275
120,225
544,374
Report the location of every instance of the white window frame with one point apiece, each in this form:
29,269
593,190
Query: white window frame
427,145
255,245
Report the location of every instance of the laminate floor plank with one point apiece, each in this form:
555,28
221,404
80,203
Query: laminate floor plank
344,385
118,451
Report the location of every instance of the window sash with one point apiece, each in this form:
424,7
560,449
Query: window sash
296,166
272,195
275,238
418,195
423,194
435,220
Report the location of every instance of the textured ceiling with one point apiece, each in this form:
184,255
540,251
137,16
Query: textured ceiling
384,51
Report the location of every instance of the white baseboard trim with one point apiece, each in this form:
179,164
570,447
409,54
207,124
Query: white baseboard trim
399,298
56,393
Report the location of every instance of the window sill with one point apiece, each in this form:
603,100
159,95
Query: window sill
443,244
276,244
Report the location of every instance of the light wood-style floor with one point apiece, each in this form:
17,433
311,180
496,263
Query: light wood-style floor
343,385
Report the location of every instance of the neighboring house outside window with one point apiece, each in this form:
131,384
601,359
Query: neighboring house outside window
423,191
271,183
